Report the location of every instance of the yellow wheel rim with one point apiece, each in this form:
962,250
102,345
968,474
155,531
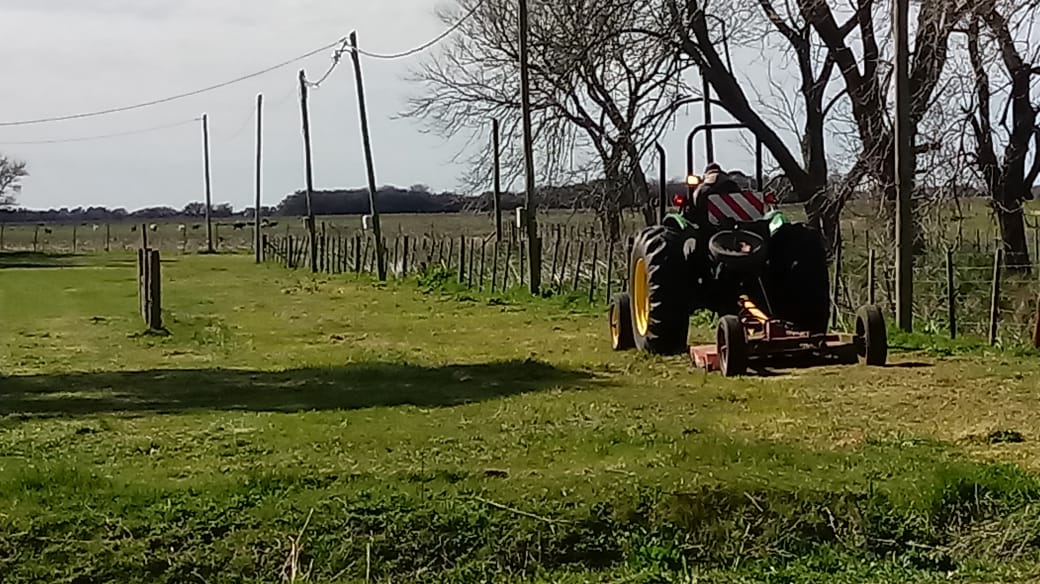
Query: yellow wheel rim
641,297
615,325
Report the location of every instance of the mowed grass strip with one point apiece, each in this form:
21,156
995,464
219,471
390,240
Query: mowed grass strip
333,427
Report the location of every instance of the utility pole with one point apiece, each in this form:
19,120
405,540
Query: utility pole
709,138
498,179
534,251
257,243
904,169
369,164
308,162
209,187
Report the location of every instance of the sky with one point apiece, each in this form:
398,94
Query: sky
70,56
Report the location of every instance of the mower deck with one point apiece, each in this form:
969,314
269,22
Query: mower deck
792,348
763,340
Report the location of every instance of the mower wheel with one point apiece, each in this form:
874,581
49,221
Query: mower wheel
872,336
620,315
731,344
658,290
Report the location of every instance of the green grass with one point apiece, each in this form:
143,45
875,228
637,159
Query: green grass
414,432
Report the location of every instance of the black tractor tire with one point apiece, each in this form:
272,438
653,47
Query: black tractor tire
731,345
797,281
620,317
871,336
658,291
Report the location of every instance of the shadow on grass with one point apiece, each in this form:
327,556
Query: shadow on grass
349,387
34,260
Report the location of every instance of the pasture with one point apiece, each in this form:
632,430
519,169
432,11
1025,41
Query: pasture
290,427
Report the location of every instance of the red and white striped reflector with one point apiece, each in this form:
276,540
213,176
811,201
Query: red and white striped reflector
745,206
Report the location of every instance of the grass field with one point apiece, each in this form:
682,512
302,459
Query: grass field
333,429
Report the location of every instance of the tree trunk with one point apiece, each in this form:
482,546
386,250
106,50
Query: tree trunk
1013,237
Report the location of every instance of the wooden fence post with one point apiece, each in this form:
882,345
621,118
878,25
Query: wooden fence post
404,257
610,268
994,303
483,250
462,259
494,269
592,278
472,252
951,295
142,289
577,264
556,253
872,278
505,272
154,290
836,288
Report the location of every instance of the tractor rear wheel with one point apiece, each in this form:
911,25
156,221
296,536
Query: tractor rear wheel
620,316
657,287
797,282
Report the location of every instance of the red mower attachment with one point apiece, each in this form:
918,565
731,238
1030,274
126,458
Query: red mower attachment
752,338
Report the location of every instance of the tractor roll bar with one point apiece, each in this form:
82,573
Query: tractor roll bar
690,169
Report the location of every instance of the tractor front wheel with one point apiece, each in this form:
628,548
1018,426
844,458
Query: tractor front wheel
620,316
657,288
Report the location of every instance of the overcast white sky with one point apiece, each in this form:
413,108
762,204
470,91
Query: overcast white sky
69,56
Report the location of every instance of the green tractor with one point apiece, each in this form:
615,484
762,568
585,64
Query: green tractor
726,249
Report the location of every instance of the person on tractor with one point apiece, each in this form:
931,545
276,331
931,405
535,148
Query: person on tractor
714,181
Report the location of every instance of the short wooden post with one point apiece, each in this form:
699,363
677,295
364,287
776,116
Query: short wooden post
994,301
610,268
2,228
74,226
108,237
951,295
154,290
142,289
36,238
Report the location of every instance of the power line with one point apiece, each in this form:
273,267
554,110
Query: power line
427,44
172,97
102,136
335,62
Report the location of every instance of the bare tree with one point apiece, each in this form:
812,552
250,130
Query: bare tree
602,92
1008,75
826,39
11,174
